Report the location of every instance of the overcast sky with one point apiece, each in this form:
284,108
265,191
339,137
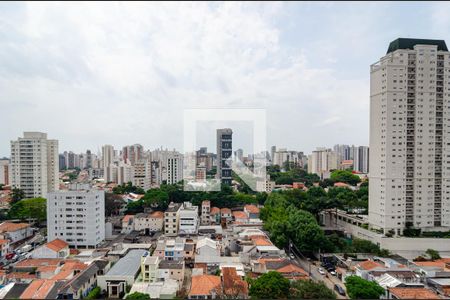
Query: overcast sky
122,73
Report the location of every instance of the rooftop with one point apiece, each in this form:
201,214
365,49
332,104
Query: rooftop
413,293
9,226
252,208
205,285
128,265
406,43
57,245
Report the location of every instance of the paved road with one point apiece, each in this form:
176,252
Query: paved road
330,281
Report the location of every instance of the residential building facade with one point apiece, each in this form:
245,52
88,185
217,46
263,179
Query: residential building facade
410,137
35,164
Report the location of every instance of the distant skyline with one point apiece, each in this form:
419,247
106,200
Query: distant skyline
90,74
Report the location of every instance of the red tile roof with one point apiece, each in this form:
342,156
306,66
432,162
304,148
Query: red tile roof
369,265
233,285
215,210
225,210
205,284
252,209
57,245
157,214
9,226
38,262
239,215
2,242
413,293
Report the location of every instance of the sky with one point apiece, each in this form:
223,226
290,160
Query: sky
118,73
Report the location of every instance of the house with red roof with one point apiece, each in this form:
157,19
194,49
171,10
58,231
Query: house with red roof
15,232
252,211
54,249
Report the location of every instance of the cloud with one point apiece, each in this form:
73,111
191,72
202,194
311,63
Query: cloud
121,73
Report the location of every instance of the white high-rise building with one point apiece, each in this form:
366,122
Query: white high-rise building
76,216
107,155
410,137
35,164
174,168
361,159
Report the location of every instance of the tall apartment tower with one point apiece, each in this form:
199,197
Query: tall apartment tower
131,154
224,152
410,137
35,164
107,160
4,171
174,168
76,216
322,161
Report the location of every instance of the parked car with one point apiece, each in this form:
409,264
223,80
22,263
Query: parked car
339,289
321,271
333,273
292,256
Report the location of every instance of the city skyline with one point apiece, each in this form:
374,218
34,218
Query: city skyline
121,89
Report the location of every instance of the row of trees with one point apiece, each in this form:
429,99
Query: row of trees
292,216
160,198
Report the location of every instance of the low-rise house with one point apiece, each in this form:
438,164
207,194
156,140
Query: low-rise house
174,249
288,268
411,293
157,290
152,222
205,287
83,282
149,267
15,232
123,273
42,289
188,219
171,219
189,251
363,269
440,285
251,211
240,217
54,249
390,280
171,270
128,224
225,215
207,251
215,215
31,264
159,250
233,285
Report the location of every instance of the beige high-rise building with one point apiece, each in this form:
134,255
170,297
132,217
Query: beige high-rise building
410,137
35,164
322,161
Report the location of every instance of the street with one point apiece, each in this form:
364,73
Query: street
330,281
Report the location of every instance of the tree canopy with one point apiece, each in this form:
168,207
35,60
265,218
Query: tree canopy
308,289
29,209
433,254
345,176
16,195
126,188
359,288
271,285
138,296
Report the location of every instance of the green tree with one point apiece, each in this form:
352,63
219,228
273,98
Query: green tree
29,208
358,288
138,296
433,254
271,285
345,176
94,293
1,186
113,204
16,195
308,289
